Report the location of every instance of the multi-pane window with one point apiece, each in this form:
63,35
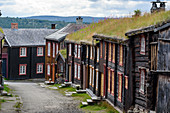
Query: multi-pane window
113,53
22,69
121,55
75,70
90,74
101,51
49,48
93,77
53,50
91,52
39,68
48,69
98,55
75,51
120,88
142,49
69,49
142,80
113,83
97,77
78,71
56,49
87,52
110,50
78,51
108,80
39,51
23,52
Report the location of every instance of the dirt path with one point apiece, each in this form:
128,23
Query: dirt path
42,100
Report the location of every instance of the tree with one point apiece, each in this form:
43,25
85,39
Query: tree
137,12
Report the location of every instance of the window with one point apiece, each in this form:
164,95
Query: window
56,49
126,82
79,51
113,54
49,48
69,49
40,68
48,69
109,80
98,55
53,50
62,68
39,51
142,80
91,52
142,49
93,76
113,76
105,50
120,88
110,51
75,70
97,77
121,55
75,53
90,74
23,52
78,71
87,50
101,47
22,69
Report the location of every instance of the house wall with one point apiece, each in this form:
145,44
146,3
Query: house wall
5,57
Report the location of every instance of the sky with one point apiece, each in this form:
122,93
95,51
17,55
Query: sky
95,8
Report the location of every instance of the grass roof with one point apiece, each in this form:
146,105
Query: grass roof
64,52
118,27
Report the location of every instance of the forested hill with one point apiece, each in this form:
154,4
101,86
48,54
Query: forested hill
5,22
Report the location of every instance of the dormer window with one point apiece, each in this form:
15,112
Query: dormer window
23,52
142,47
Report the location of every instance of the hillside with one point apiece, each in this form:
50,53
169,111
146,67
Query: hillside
118,27
5,22
86,19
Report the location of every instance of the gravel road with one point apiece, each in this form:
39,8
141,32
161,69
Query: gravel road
42,100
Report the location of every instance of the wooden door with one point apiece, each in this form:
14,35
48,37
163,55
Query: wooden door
69,73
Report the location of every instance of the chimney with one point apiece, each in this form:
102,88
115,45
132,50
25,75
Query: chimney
155,8
79,20
14,26
52,26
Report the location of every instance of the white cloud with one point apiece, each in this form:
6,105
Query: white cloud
18,8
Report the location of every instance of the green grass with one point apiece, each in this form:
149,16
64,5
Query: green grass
6,88
118,27
81,96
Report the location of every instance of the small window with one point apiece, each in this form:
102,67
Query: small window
87,52
62,68
79,72
39,51
75,70
126,82
110,50
56,49
90,74
109,80
113,54
91,52
48,69
113,76
98,55
93,77
39,68
121,55
69,49
101,51
142,49
120,88
22,69
75,52
49,48
23,52
142,80
79,51
53,50
97,77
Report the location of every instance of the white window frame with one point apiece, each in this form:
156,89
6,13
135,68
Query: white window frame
97,77
93,76
90,74
79,51
69,49
40,51
22,69
53,50
98,55
48,69
75,70
91,52
75,52
49,49
78,71
87,52
143,44
39,68
23,51
56,48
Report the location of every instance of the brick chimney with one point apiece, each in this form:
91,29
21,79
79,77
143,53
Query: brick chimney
14,26
52,26
79,20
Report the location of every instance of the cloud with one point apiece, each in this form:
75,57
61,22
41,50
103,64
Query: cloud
104,8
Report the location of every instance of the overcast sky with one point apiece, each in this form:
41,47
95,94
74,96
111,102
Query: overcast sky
97,8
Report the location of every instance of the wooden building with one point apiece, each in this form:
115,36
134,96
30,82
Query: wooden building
54,43
23,53
149,51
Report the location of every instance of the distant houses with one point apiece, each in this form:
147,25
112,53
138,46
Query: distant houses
23,53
